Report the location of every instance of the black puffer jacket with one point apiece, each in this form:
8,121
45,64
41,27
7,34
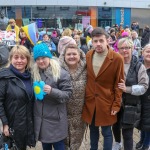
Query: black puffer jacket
16,108
145,114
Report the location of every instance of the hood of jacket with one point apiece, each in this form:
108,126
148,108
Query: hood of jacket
81,66
6,73
63,42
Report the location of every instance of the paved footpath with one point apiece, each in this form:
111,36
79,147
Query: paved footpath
86,142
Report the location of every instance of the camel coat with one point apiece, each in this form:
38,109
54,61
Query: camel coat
102,92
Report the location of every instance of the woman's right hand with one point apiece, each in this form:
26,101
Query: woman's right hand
6,130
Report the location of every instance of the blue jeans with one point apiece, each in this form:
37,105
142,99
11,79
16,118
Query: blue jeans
57,146
145,138
94,136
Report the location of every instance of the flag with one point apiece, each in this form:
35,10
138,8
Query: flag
31,32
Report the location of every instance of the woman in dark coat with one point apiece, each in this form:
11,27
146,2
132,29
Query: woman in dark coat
16,98
134,85
145,100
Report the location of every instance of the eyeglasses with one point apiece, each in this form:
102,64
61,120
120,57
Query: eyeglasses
126,48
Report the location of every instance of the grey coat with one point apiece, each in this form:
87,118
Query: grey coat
50,115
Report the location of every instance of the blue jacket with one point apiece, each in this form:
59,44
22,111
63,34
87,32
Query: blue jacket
50,45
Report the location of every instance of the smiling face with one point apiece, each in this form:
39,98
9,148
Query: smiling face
19,62
43,62
72,57
46,37
146,54
99,43
125,50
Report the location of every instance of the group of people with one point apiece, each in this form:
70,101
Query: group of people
99,87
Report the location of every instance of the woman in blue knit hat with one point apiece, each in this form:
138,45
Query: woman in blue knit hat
50,116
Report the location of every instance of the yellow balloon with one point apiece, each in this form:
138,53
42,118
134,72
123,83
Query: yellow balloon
37,89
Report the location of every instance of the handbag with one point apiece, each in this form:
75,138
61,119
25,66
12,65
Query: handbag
7,143
129,114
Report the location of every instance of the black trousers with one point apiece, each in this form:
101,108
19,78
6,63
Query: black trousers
126,133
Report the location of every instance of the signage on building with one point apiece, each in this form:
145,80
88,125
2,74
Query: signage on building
123,16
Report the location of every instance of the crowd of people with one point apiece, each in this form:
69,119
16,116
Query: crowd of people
94,78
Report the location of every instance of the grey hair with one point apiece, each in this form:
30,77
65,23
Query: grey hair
146,46
128,41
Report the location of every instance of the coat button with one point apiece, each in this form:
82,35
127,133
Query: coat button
96,95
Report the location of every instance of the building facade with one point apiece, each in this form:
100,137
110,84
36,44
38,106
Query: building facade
73,13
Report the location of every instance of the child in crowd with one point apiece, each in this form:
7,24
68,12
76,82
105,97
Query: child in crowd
49,43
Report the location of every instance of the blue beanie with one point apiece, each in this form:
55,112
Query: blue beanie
41,50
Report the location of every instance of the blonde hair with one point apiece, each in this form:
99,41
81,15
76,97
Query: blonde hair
146,47
55,69
67,32
12,20
22,50
72,46
136,35
128,30
128,41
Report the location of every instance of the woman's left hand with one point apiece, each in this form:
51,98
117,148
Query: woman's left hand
122,86
47,89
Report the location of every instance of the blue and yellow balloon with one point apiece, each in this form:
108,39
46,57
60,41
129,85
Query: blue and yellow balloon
39,89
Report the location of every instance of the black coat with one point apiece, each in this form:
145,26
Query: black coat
27,44
145,37
16,108
145,114
84,48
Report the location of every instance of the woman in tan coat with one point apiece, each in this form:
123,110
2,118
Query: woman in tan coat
73,60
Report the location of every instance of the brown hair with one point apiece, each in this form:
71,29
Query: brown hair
98,32
73,46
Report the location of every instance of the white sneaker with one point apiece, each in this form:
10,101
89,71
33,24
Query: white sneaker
117,146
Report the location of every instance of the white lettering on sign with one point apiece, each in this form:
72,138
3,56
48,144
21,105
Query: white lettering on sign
122,16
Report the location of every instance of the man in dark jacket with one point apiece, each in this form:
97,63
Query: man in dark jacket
145,36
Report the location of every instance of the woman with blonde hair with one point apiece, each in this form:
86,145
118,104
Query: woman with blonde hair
16,98
74,61
50,116
67,32
135,84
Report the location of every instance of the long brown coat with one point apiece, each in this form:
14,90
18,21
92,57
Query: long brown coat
102,93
